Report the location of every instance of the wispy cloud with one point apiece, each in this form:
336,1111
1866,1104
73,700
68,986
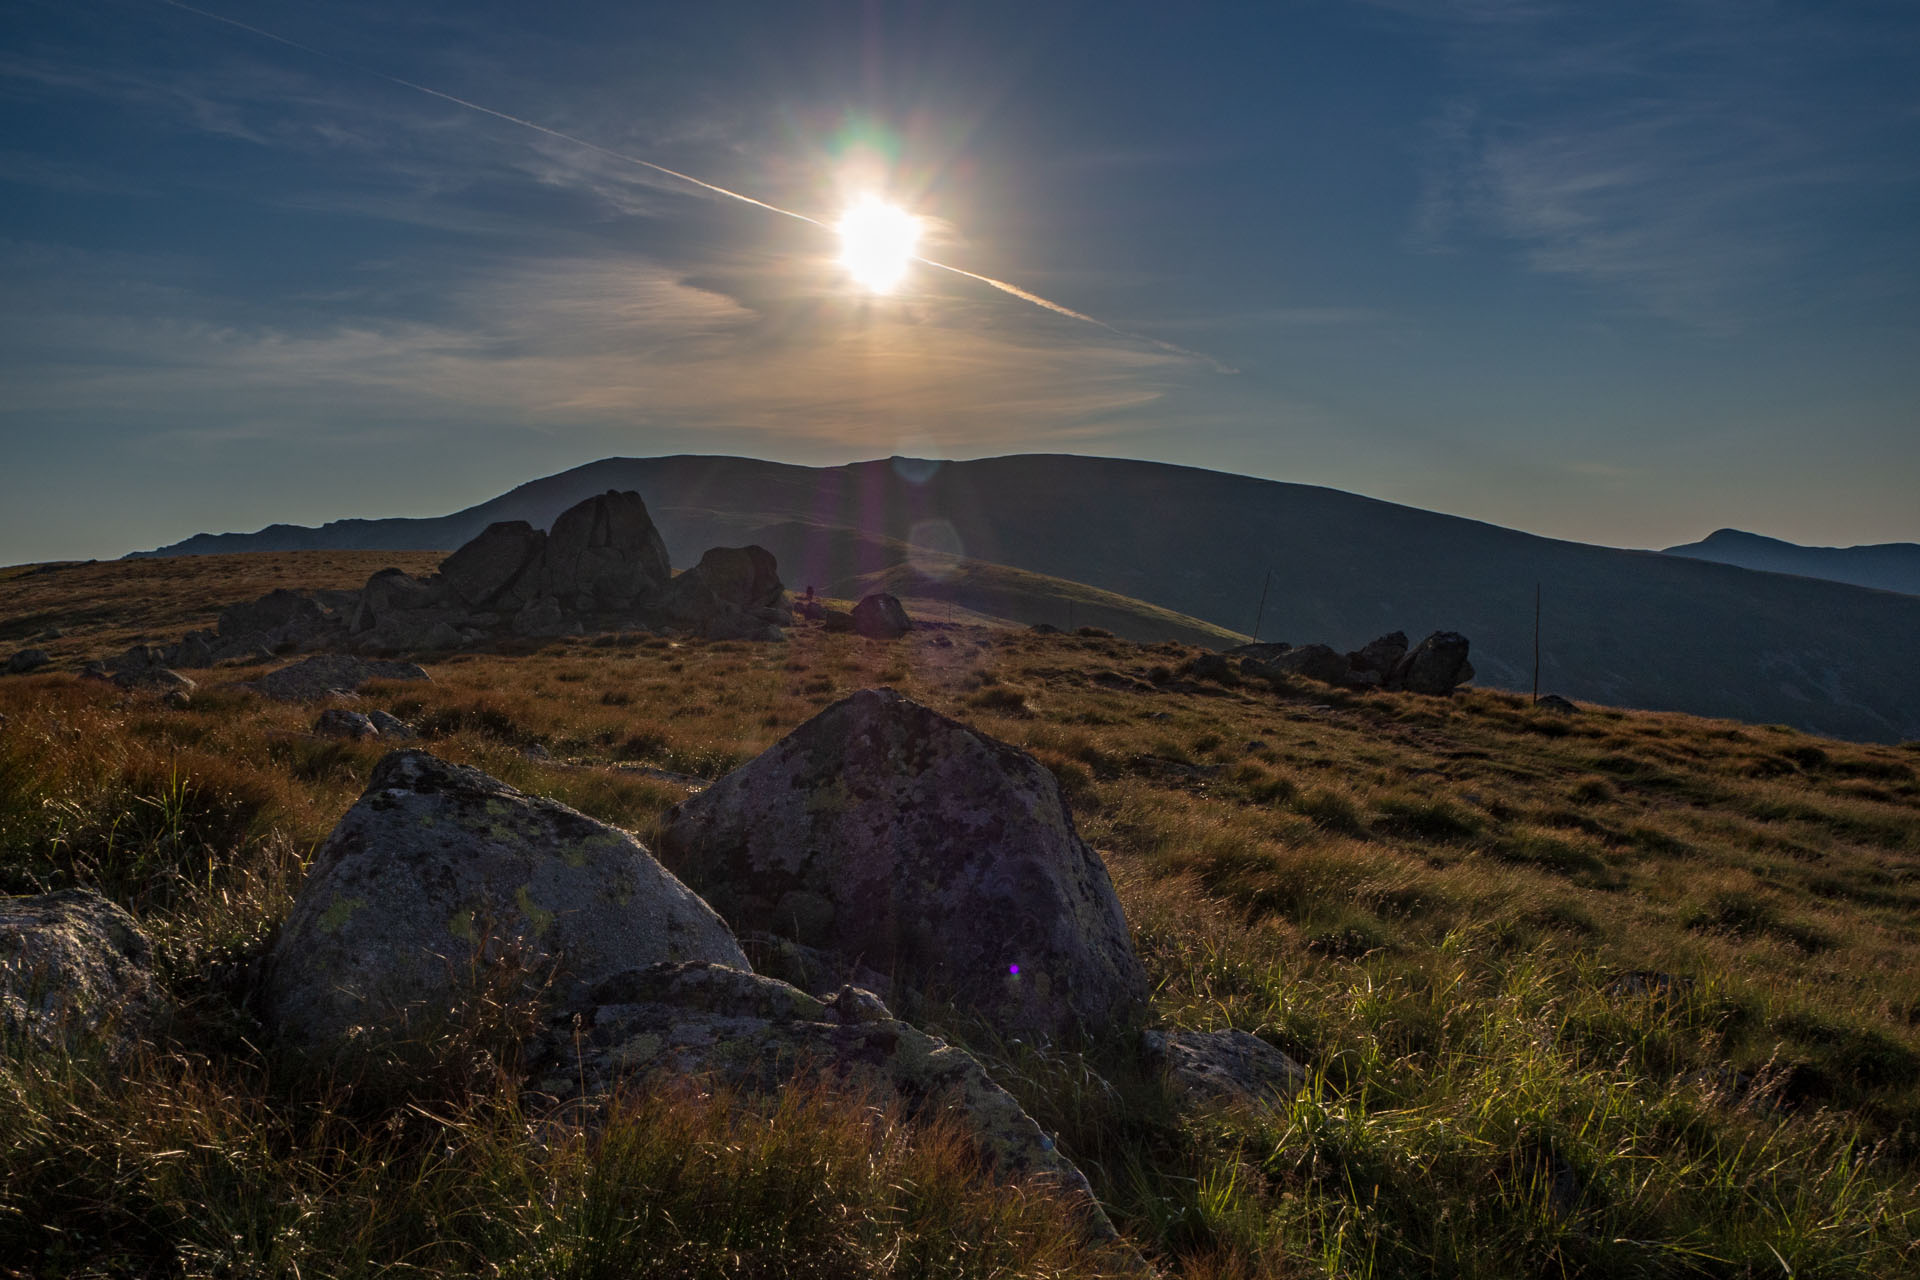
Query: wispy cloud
560,343
1683,158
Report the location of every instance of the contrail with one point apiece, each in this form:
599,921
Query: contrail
1038,301
1024,295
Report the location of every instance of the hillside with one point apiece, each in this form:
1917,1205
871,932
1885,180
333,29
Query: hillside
1610,993
1886,566
1630,628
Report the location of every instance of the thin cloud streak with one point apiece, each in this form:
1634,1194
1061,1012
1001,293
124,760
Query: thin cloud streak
713,188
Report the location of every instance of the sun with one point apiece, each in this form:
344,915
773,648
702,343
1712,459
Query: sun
877,240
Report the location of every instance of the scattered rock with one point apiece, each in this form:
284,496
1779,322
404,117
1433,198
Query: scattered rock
1314,661
1555,703
881,617
1379,657
1437,667
338,722
1212,666
1225,1066
280,613
154,680
75,968
326,674
133,658
388,725
756,1034
28,660
893,838
440,873
836,621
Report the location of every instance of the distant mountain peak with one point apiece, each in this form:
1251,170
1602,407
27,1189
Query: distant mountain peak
1885,566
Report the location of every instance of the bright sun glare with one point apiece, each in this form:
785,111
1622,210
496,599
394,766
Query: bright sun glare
877,242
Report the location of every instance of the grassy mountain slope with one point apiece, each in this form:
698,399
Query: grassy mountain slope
1619,993
1625,627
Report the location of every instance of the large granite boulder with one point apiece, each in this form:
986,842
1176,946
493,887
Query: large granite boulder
605,554
488,568
881,617
895,840
1437,667
756,1034
327,675
728,577
439,873
75,971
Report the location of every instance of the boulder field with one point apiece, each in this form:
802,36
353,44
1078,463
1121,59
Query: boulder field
881,857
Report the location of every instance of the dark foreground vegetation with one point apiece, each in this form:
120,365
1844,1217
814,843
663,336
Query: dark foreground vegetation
1603,994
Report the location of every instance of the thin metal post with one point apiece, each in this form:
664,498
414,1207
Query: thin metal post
1536,642
1261,614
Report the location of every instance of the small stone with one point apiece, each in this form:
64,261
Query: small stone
1225,1066
28,660
338,722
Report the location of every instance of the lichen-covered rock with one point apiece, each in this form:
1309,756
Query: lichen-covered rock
888,836
74,970
881,617
439,871
757,1034
327,674
1225,1066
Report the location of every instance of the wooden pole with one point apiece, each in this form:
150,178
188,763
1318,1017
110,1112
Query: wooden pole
1261,614
1536,642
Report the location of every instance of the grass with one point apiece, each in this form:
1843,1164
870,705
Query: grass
1633,995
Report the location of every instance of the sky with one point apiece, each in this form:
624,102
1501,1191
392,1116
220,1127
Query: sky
1619,272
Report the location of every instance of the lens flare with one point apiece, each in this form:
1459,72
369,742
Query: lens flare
877,241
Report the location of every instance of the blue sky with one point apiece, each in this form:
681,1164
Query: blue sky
1618,272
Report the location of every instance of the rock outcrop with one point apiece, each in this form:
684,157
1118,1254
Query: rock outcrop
602,568
329,675
75,972
757,1034
1437,667
892,840
734,593
881,617
439,874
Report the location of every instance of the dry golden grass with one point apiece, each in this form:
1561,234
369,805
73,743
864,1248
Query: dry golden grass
1616,993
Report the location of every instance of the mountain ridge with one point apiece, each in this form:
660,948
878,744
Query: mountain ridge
1630,628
